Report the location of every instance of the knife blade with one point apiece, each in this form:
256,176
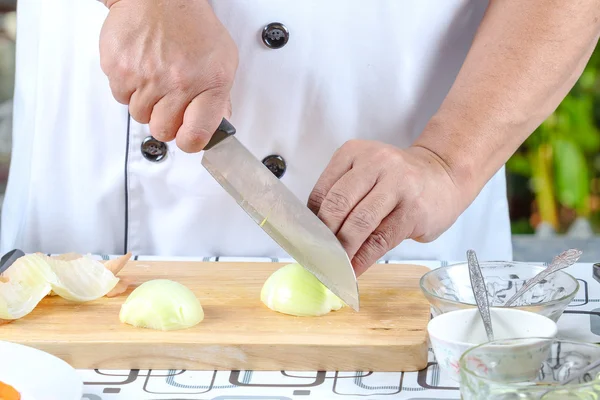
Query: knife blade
280,214
9,258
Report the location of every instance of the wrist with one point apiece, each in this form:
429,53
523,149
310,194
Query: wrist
109,3
452,148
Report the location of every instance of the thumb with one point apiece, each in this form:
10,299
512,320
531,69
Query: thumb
201,119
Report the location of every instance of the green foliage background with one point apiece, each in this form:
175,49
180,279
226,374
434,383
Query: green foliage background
555,176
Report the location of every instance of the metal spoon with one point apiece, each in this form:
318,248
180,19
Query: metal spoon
480,292
581,373
575,377
561,261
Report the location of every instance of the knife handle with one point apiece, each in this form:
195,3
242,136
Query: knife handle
223,132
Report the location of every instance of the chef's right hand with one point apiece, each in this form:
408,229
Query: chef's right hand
173,63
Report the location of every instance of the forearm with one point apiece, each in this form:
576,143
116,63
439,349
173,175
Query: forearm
525,58
110,3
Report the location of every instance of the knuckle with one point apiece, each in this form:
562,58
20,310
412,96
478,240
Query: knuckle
336,203
221,75
363,259
119,95
419,206
140,117
379,242
384,152
364,218
196,136
139,113
119,68
351,145
162,132
180,79
316,198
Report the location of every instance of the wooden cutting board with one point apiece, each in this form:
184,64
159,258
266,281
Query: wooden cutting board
239,332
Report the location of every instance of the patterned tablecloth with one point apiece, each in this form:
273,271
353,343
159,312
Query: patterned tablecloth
581,321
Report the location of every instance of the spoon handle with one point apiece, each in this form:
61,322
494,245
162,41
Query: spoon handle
575,377
480,292
561,261
581,373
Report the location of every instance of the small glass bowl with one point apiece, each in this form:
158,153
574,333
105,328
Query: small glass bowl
449,288
490,372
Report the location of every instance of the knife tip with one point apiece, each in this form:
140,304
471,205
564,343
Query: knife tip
354,304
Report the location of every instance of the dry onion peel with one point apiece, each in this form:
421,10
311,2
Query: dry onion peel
295,291
162,304
116,265
120,288
34,276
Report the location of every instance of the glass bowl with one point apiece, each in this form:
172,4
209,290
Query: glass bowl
490,372
449,288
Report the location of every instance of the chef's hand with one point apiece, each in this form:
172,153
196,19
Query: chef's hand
373,196
173,63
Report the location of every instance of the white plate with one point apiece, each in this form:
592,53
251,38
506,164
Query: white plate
38,375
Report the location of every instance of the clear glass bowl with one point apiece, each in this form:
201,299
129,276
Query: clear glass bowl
491,372
449,288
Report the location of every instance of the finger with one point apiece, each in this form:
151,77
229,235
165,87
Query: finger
340,163
389,234
201,119
366,217
167,116
344,195
122,93
141,103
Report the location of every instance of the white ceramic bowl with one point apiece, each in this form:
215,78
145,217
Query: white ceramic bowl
453,333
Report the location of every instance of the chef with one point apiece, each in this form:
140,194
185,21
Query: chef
391,119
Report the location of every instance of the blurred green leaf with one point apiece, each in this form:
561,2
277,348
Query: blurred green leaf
521,226
588,78
519,164
563,175
572,175
575,119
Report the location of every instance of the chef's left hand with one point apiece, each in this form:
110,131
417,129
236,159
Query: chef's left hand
373,196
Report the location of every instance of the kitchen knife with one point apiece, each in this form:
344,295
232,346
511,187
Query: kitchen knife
280,213
9,258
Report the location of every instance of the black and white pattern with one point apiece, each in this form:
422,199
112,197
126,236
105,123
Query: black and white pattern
581,321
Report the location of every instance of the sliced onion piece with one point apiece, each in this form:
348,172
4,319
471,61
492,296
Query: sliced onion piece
162,304
82,279
28,283
35,276
295,291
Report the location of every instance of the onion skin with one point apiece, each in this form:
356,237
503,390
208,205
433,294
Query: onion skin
293,290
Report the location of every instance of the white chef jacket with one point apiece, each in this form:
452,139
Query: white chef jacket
351,69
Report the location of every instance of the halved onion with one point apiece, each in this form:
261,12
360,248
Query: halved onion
162,304
295,291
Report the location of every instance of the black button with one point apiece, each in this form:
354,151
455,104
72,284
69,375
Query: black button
275,35
153,150
276,165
